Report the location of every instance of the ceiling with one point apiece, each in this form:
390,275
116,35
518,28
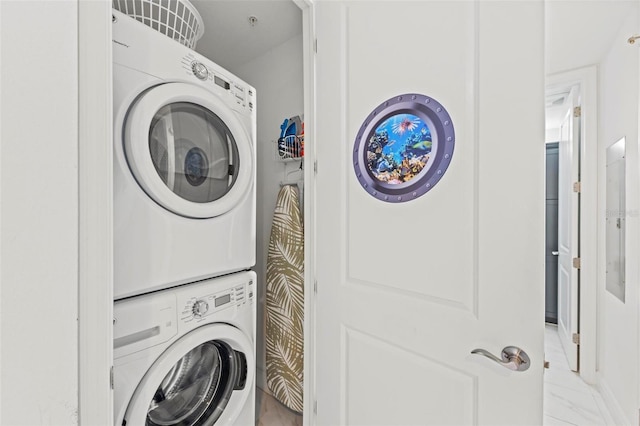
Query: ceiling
579,32
229,38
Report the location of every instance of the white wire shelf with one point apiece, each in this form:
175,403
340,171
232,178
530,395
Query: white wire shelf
290,148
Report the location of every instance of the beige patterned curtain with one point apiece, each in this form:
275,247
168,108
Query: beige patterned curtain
285,301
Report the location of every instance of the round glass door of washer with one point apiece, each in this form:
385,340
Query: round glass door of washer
188,151
198,380
198,387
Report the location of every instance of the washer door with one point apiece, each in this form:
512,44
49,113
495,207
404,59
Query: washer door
188,150
202,378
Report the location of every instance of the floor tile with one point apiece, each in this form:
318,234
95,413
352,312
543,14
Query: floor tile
270,412
602,406
566,379
567,398
571,406
552,421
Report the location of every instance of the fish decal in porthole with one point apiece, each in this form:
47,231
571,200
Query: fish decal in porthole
403,148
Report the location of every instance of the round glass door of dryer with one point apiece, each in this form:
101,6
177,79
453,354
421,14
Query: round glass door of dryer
193,152
196,382
188,150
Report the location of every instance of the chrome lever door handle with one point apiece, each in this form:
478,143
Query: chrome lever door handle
513,358
555,253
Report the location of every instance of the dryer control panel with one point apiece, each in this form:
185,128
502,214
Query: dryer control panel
208,74
199,307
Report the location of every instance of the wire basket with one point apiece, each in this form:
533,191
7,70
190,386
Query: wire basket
177,19
291,147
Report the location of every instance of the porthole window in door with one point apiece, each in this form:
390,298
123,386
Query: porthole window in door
403,148
198,387
193,152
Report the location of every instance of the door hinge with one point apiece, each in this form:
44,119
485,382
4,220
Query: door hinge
315,286
575,338
577,112
546,364
577,187
111,377
315,167
315,407
577,262
315,45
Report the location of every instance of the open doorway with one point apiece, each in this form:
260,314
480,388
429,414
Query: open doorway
563,148
264,43
568,392
551,232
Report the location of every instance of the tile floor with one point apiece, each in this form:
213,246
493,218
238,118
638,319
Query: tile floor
270,412
567,399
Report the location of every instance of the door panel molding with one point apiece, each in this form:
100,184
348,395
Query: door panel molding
439,381
464,169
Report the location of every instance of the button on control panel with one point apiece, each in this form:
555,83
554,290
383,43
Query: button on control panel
200,307
200,70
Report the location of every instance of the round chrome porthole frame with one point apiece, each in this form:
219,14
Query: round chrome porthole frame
442,130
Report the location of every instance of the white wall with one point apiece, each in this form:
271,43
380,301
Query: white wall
552,135
39,212
278,79
618,360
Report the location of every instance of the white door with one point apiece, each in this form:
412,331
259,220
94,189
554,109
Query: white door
568,229
407,289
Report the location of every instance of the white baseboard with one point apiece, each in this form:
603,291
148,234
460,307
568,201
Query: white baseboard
612,403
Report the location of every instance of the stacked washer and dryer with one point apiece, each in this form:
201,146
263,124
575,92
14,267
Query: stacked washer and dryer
184,234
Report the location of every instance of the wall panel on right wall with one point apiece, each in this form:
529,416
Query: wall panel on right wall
618,333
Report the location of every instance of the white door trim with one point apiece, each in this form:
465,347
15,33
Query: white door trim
587,79
308,47
95,167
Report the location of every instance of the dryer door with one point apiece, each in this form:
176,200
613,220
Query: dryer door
203,378
188,150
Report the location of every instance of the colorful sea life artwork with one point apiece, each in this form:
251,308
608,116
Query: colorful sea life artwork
403,148
399,148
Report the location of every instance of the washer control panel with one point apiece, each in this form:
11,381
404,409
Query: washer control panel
243,95
200,307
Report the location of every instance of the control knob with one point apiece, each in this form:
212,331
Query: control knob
199,70
200,308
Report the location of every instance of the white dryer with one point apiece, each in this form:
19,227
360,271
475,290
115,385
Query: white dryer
186,356
184,164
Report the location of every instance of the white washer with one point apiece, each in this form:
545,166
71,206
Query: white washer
184,166
186,356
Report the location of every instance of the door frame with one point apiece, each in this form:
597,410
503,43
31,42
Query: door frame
95,241
309,47
586,79
95,269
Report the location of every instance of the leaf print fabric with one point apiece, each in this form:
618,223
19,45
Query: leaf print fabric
285,301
